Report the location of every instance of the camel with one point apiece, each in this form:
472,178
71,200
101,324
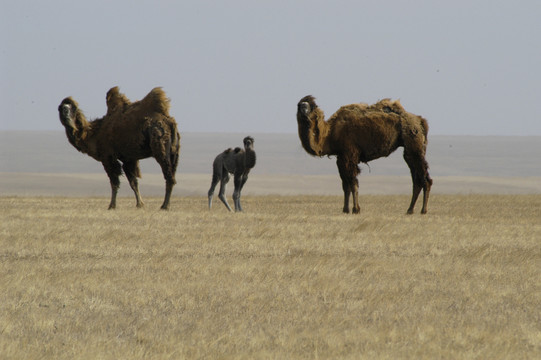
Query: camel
238,162
127,133
360,133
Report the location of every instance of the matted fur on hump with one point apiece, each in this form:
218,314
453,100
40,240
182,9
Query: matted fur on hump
385,105
156,101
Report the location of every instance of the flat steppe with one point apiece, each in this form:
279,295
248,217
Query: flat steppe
292,277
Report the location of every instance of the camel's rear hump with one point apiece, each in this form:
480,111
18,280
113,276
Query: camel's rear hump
155,101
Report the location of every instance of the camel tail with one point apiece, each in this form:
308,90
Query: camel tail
174,150
157,101
424,126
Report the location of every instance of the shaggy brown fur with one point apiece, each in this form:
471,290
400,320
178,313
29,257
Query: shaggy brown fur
127,133
361,133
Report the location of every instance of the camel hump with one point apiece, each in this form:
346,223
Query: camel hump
237,150
157,101
115,100
390,106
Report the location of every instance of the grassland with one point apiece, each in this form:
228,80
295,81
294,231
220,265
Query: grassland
292,277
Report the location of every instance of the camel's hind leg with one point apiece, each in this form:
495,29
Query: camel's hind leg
214,182
216,177
426,192
420,178
223,184
166,156
169,182
132,172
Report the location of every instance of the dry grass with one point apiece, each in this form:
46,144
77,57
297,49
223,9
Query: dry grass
291,277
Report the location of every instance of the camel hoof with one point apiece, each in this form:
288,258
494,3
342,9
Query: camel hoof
409,212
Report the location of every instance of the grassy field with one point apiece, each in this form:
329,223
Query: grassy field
292,277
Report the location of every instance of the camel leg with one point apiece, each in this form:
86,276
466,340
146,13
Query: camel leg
170,181
166,156
426,193
345,183
131,169
347,192
215,180
420,179
355,194
240,180
244,179
415,194
113,170
223,184
348,173
236,193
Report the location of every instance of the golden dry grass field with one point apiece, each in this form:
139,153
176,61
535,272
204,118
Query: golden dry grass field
290,278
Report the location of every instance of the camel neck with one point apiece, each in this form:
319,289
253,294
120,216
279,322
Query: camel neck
249,158
314,135
83,138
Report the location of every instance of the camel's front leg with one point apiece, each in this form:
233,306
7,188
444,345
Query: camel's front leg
348,173
239,182
113,170
355,192
345,184
347,193
236,195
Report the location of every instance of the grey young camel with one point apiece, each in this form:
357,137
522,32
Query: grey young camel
238,162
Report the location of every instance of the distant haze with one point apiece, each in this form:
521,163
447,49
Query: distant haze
282,154
469,67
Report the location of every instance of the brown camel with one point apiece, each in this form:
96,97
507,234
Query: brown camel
127,133
238,162
361,133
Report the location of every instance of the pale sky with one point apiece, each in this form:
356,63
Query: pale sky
469,67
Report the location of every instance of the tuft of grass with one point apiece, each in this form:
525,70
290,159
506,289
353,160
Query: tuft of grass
291,277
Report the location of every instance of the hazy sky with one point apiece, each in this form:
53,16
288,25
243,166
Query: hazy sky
469,67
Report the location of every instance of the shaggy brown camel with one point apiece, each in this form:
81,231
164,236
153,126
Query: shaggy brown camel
127,133
238,162
361,133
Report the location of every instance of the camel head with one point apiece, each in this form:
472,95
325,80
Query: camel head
68,112
306,106
308,113
248,143
312,126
